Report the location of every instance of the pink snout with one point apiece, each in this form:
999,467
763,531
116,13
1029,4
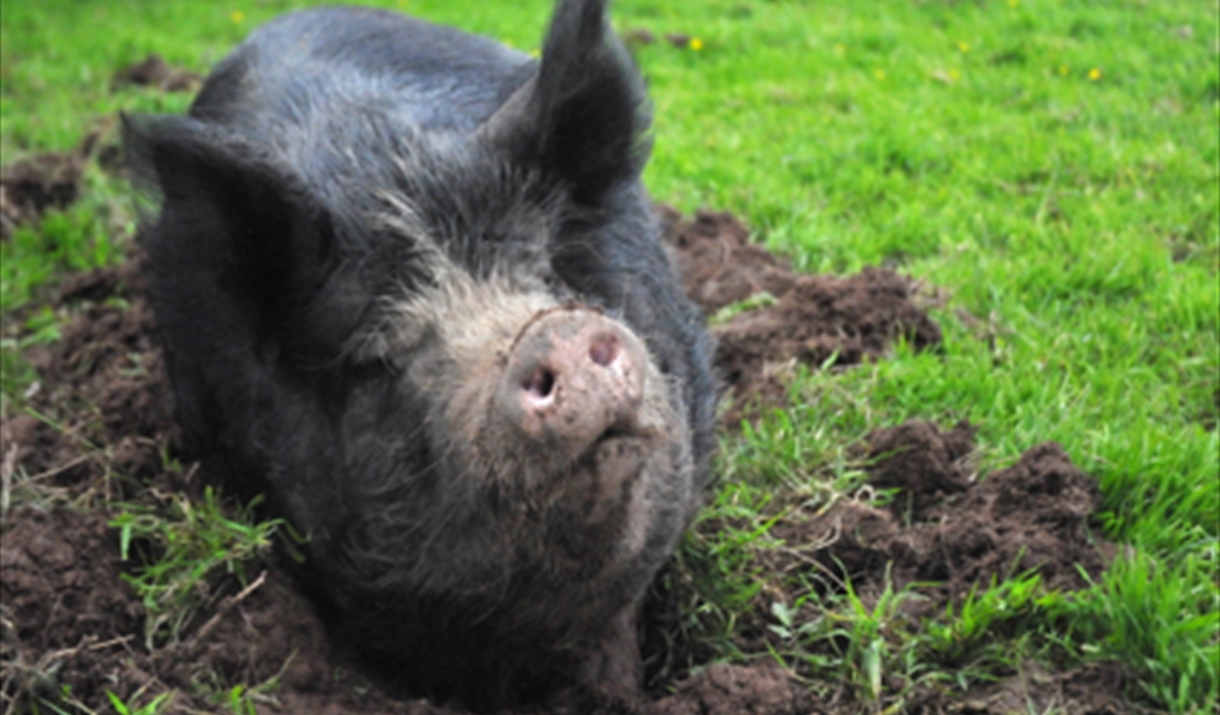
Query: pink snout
573,377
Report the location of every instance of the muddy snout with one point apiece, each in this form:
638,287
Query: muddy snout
573,377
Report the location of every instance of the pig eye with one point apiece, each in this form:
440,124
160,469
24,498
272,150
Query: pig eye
540,383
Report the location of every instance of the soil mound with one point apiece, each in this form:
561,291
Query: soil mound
153,71
68,617
100,404
945,527
34,185
811,318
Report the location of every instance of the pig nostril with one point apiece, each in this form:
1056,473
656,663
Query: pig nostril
540,384
604,350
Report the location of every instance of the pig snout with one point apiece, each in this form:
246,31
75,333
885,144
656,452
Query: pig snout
574,376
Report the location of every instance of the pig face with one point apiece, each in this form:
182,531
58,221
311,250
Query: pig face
409,288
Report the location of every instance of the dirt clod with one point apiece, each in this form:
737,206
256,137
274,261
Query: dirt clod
926,464
153,71
812,319
957,533
32,186
716,261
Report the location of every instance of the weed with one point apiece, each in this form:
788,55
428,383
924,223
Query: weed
183,545
152,707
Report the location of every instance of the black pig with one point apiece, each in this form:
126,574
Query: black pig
409,286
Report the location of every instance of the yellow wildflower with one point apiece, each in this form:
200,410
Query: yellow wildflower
963,46
238,16
1094,74
879,74
696,44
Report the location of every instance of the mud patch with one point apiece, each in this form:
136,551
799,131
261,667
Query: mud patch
34,185
812,320
153,71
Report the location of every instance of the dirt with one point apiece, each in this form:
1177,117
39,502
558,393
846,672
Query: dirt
153,71
104,434
34,185
946,527
39,183
1088,690
814,320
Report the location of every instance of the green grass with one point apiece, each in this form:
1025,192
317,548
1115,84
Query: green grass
180,547
1053,164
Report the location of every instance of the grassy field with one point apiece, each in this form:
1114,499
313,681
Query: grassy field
1053,165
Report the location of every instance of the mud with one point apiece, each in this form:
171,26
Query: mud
810,319
103,433
153,71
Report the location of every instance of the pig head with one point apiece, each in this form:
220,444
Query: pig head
409,287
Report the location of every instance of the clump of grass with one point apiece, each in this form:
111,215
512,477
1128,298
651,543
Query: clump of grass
1164,621
184,544
75,239
16,374
152,707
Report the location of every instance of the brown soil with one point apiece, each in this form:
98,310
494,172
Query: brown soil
32,186
153,71
104,434
943,526
813,319
1089,690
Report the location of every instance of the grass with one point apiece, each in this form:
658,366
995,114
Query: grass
1053,164
180,546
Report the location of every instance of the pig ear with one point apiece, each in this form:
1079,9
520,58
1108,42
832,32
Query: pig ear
582,118
230,219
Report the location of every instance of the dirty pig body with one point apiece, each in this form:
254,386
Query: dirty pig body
409,288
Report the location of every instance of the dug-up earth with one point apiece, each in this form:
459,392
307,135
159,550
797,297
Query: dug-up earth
97,432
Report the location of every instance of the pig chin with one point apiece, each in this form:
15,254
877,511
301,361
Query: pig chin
618,467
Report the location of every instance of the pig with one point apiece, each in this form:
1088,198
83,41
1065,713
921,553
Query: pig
409,288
